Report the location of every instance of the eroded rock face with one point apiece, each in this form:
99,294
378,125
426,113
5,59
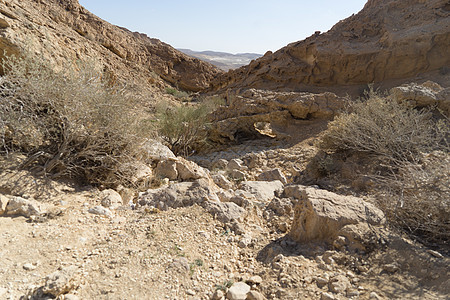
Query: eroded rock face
251,113
388,40
322,215
64,31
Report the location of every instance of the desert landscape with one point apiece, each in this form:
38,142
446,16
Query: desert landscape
131,170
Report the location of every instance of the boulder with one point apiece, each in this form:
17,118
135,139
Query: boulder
262,190
321,215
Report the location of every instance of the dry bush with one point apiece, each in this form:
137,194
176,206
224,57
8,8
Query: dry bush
69,123
411,149
184,127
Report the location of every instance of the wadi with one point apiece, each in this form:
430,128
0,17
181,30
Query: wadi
131,170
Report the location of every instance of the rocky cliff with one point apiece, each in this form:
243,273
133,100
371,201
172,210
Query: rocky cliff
387,42
65,31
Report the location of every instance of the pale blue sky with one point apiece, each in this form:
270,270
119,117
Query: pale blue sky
234,26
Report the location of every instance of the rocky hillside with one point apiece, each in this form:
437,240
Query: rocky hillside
65,31
387,42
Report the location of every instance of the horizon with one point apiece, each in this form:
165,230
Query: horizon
233,27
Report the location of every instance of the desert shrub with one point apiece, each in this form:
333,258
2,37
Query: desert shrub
69,123
176,93
410,181
184,127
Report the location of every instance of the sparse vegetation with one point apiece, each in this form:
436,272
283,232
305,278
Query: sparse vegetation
411,147
68,123
184,127
177,94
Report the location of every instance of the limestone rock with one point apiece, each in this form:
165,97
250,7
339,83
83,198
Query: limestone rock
167,169
255,295
60,282
23,207
181,194
221,181
271,175
111,199
339,284
262,190
3,203
225,211
320,215
188,170
238,291
101,211
424,95
155,151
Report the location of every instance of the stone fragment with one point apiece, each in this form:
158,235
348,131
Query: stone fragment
238,175
218,295
188,170
181,264
238,291
391,268
60,282
374,296
327,296
262,190
23,207
256,279
339,284
435,253
236,164
221,181
255,295
71,297
155,151
167,169
3,23
101,211
225,211
29,267
3,203
111,199
272,175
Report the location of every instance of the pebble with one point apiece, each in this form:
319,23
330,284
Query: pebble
190,292
327,296
374,295
255,295
435,253
3,292
29,267
255,279
100,210
218,295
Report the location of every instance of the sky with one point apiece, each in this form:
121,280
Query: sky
234,26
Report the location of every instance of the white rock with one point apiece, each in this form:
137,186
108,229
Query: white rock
100,210
327,296
71,297
221,181
154,150
23,207
236,164
29,267
111,199
262,190
3,203
255,279
238,291
188,170
3,292
60,282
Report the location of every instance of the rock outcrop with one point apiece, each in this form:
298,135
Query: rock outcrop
64,32
387,42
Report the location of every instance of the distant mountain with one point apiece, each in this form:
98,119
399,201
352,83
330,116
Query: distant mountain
223,60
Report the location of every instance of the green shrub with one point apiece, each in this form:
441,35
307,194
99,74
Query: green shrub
177,94
69,123
184,127
412,184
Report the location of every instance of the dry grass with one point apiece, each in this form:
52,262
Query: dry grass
72,123
412,150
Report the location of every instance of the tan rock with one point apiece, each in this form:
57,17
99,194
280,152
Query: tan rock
262,190
320,215
3,203
255,295
271,175
111,199
167,169
188,170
